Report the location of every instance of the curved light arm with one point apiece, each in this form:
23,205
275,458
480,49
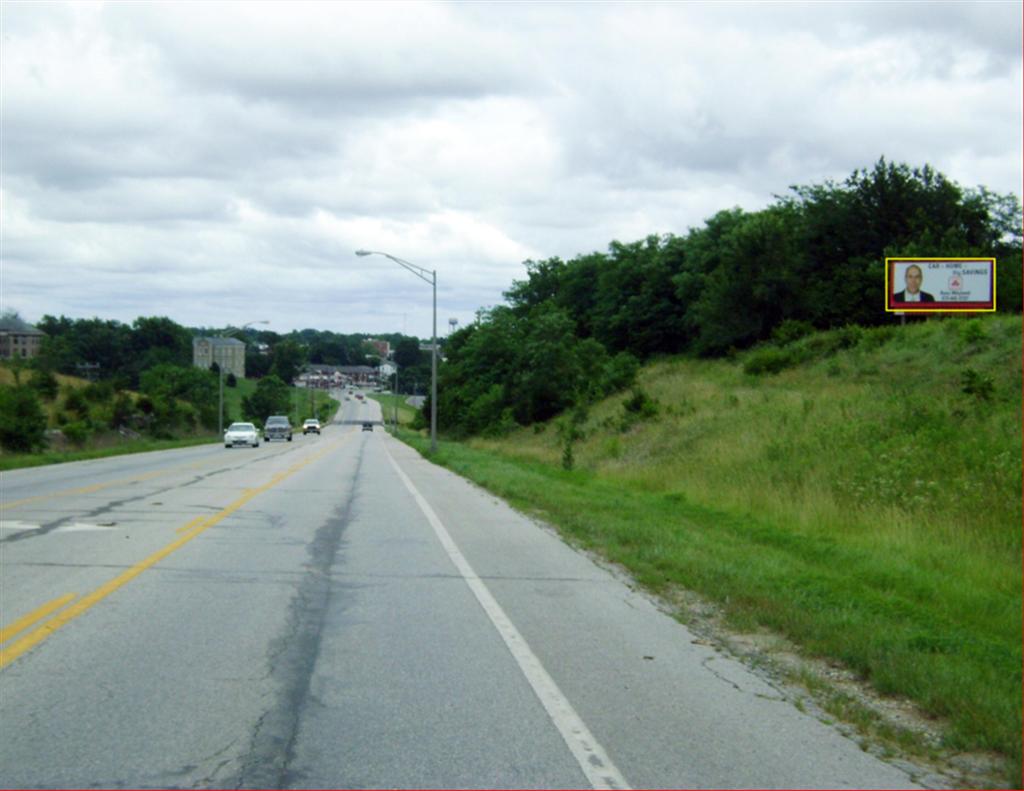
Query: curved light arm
423,274
427,276
240,329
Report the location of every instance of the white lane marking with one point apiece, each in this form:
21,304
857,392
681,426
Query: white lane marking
80,527
15,526
595,763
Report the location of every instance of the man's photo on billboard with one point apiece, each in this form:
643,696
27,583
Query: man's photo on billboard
913,277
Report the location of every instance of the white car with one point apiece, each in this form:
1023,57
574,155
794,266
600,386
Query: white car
310,426
241,434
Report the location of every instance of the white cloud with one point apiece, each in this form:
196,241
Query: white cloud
220,163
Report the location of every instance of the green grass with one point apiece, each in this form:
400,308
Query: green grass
859,503
233,398
387,401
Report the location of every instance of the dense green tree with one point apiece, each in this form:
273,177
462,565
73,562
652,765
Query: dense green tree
160,333
168,383
271,397
257,364
506,369
45,383
120,351
757,283
288,359
544,283
413,364
22,421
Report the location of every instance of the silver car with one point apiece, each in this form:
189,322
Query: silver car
241,434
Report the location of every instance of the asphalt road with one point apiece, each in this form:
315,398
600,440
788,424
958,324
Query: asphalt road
336,612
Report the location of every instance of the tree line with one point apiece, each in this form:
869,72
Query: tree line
813,259
122,352
146,381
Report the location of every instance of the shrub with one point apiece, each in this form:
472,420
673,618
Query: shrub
98,392
570,429
620,372
978,385
877,337
486,411
77,432
503,426
849,336
231,380
45,383
791,330
769,360
640,404
972,332
823,344
122,410
74,401
22,422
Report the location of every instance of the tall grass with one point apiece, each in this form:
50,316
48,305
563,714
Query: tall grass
860,501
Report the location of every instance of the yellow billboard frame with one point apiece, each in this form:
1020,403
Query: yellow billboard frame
921,260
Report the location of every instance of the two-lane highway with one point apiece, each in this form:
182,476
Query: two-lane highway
338,612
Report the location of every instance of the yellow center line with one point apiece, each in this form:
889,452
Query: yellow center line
26,621
194,528
189,525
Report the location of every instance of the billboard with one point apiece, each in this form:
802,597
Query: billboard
940,285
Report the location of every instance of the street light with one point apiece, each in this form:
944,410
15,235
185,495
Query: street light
428,276
220,374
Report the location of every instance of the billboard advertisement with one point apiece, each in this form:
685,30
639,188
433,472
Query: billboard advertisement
940,285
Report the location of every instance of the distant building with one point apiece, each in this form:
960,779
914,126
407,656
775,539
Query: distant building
358,374
19,338
228,353
323,375
383,348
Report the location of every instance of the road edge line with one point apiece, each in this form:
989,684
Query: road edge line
589,754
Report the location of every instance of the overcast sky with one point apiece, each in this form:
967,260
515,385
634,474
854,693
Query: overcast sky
220,163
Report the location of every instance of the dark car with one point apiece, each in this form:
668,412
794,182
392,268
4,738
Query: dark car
367,426
277,427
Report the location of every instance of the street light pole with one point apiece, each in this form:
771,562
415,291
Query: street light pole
428,276
220,376
394,395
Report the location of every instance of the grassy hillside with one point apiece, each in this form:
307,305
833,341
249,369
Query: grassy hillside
864,501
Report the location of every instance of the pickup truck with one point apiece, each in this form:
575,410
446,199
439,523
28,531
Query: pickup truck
277,427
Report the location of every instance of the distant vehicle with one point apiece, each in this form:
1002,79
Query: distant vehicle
359,396
241,434
277,427
367,426
311,426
